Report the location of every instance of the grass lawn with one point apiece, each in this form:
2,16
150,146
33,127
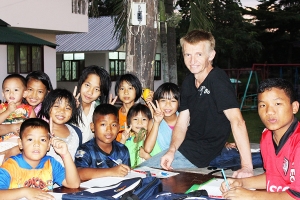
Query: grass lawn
254,125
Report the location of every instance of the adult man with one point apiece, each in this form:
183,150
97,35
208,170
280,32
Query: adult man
208,109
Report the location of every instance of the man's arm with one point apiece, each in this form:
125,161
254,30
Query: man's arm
240,134
178,136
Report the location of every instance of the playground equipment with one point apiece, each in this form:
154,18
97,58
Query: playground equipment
259,72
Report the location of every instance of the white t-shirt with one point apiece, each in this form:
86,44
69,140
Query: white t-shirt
84,126
73,142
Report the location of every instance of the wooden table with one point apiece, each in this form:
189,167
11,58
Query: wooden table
176,184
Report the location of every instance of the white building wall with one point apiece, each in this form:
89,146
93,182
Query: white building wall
50,64
53,15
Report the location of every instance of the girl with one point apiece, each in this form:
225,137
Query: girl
59,107
128,88
38,86
138,117
165,116
94,85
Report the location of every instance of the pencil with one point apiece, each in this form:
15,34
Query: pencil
225,179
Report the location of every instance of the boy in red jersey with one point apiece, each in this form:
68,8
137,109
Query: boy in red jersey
280,147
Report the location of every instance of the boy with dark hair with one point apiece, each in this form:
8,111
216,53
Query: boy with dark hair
280,146
31,174
97,157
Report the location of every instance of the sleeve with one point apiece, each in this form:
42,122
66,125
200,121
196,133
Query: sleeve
83,157
223,92
58,171
4,179
184,94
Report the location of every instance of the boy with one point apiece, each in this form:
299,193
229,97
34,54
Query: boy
31,174
280,146
14,111
97,157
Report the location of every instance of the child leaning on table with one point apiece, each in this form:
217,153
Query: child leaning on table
32,173
280,147
96,158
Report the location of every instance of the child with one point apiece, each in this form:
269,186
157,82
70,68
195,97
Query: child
14,110
128,88
280,146
167,98
96,157
31,174
94,84
59,107
138,118
38,86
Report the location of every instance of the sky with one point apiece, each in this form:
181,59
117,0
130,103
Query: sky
249,3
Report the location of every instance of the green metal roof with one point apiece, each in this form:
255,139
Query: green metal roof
11,36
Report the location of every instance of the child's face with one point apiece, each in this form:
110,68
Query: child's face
90,89
35,143
126,92
36,92
276,111
61,111
138,122
168,105
13,90
105,128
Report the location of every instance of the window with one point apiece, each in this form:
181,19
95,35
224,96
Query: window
71,65
117,65
24,58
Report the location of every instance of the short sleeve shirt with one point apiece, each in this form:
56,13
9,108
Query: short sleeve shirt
16,173
282,162
90,155
209,128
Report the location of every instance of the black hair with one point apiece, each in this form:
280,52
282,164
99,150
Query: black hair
104,80
279,83
18,76
59,94
105,109
136,109
41,76
34,123
165,90
131,79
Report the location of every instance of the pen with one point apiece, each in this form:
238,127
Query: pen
225,179
115,161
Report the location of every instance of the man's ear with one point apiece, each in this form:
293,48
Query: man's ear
20,143
295,106
212,55
92,126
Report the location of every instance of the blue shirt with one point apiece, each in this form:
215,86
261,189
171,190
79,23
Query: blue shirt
90,155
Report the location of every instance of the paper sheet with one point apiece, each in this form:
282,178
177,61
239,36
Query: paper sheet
155,172
212,187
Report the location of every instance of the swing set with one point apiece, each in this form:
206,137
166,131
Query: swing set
258,72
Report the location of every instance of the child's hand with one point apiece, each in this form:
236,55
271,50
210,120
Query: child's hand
11,106
112,101
76,97
230,145
158,115
232,183
125,133
120,170
33,193
149,97
59,146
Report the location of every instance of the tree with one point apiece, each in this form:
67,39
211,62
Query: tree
279,22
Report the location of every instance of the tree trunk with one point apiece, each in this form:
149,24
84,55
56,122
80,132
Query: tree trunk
171,47
141,46
163,40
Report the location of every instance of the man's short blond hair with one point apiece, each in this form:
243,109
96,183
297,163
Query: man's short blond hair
196,36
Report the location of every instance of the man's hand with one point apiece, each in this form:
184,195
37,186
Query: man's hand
167,160
243,173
